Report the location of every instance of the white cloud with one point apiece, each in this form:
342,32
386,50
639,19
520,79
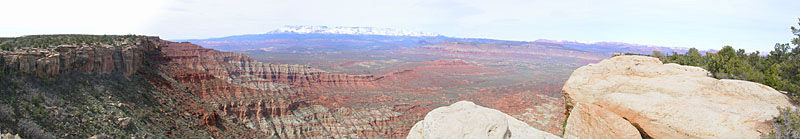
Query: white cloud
749,24
24,17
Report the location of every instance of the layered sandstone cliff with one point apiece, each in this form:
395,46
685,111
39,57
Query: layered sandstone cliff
125,58
464,119
280,101
240,69
668,100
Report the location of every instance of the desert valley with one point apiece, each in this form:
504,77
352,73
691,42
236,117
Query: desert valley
413,69
326,82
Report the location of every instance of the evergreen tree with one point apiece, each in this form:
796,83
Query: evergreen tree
659,55
779,68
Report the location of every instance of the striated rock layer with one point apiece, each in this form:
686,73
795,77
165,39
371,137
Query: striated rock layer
464,119
239,69
126,59
674,101
281,101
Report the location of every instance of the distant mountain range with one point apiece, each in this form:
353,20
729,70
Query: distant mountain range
619,47
350,31
324,38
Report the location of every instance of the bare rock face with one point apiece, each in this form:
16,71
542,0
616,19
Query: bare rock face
126,59
101,136
674,101
124,122
464,119
589,121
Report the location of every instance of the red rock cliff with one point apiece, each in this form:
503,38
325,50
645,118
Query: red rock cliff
283,101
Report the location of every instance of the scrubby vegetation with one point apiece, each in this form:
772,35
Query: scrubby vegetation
77,105
69,107
779,69
46,41
787,125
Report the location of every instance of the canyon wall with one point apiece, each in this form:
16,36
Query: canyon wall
126,58
239,69
280,101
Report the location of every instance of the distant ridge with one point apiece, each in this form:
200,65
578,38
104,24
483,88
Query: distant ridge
619,47
293,38
349,30
606,43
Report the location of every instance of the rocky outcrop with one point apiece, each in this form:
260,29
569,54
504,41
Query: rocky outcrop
589,121
674,101
464,119
9,136
101,136
126,58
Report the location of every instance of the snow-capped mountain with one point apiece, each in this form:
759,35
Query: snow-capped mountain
349,30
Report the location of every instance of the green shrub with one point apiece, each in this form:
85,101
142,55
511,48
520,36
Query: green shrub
786,125
6,113
779,69
32,130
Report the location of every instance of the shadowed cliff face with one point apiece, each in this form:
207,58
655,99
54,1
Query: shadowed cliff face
60,59
64,89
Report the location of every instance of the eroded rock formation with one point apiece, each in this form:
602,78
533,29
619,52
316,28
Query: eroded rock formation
589,121
239,69
464,119
126,59
674,101
281,101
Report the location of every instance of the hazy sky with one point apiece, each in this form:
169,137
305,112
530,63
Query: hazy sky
705,24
